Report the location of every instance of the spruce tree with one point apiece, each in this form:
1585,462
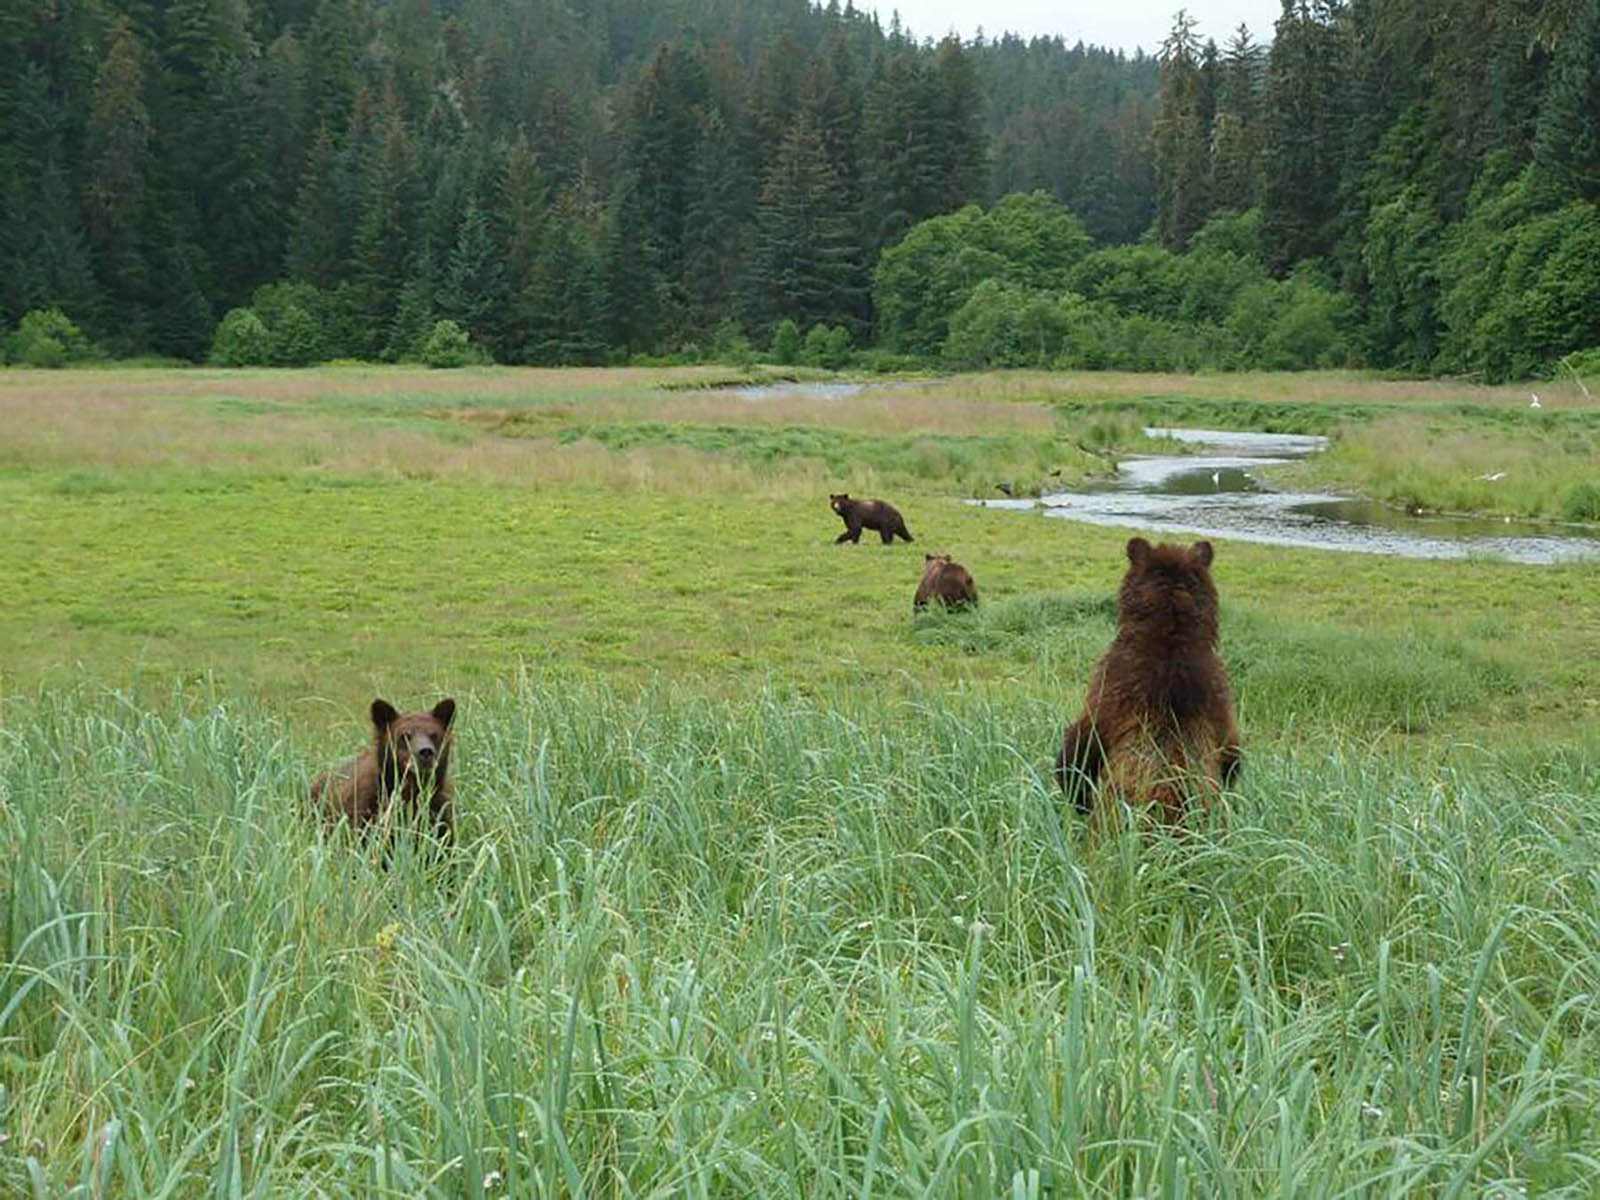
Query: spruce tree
382,240
802,263
1179,138
473,290
118,164
1303,133
318,231
44,261
1235,127
901,158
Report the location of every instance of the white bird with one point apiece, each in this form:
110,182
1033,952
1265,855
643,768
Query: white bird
1216,479
1491,476
1535,403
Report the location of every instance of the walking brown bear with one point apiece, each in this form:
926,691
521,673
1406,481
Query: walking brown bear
409,760
867,514
946,581
1158,726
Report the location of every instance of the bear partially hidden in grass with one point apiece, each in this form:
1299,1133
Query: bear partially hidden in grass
944,581
1158,726
867,514
408,761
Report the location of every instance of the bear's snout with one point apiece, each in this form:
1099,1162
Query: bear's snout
425,754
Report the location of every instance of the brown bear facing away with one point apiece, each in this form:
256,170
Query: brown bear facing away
867,514
409,760
1158,726
945,581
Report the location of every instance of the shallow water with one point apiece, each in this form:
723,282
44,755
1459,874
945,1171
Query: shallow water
1221,494
771,391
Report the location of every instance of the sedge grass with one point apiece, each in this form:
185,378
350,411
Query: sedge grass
786,948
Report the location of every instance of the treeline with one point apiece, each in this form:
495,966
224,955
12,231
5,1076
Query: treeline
1399,183
566,183
1434,162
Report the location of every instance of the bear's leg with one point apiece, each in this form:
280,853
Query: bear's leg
1232,761
843,537
1079,764
887,534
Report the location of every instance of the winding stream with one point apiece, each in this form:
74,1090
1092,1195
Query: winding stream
1219,493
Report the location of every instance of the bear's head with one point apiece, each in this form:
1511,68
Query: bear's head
932,564
1170,587
840,501
414,744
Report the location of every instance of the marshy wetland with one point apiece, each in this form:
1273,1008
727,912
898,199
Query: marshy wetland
761,885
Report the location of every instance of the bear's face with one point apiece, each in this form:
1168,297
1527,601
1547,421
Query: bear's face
840,501
416,743
932,564
1170,584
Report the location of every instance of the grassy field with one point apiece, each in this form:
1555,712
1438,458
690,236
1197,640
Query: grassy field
762,887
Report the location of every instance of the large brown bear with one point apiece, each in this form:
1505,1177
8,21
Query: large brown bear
867,514
409,760
946,581
1158,726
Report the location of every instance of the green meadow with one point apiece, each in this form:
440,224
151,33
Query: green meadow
762,886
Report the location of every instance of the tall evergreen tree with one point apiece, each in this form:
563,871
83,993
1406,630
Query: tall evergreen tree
382,240
1179,138
565,301
901,159
803,262
1235,128
959,133
44,261
118,165
474,291
1303,133
1566,150
318,232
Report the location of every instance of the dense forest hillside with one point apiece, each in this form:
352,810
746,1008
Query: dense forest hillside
570,183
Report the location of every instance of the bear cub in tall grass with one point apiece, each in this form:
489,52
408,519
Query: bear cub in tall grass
867,514
408,761
944,581
1158,727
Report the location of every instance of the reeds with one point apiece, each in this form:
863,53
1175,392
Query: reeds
773,947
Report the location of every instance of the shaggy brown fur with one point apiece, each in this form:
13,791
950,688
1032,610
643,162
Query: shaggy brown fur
1158,723
409,760
867,514
945,581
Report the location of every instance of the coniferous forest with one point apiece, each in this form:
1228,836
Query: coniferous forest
1395,183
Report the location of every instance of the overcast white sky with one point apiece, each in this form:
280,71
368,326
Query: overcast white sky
1121,23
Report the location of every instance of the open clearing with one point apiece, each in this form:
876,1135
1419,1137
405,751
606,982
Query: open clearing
763,888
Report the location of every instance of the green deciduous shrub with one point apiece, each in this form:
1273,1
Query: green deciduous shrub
241,340
786,343
47,337
447,345
826,346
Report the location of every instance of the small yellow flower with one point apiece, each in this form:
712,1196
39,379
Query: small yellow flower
387,936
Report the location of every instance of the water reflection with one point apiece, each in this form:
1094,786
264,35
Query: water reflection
1220,494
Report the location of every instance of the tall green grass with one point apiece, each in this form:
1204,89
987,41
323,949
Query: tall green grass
694,946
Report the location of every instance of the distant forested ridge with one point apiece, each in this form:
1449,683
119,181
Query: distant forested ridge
1408,184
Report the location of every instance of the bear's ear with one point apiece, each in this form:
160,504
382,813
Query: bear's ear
1138,550
444,712
927,558
383,714
1201,553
